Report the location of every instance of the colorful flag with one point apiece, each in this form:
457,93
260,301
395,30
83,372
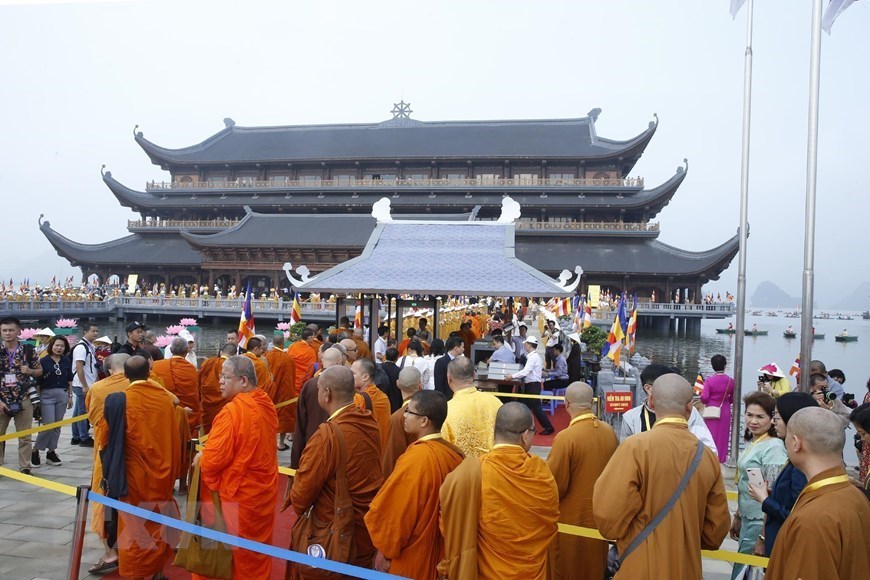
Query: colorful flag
577,324
563,307
795,367
835,8
358,317
296,310
699,384
613,346
587,316
246,322
620,314
632,327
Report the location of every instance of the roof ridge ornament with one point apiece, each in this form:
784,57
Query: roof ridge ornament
654,123
680,168
229,123
594,113
301,270
510,211
381,211
565,276
401,110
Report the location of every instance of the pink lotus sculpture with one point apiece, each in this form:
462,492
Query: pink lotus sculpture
188,322
285,326
174,329
67,323
163,341
27,333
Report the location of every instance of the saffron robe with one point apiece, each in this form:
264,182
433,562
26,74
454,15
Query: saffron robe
637,483
153,458
362,348
179,377
397,440
403,519
283,369
239,462
210,390
381,412
577,458
95,401
305,357
264,378
314,484
827,534
470,423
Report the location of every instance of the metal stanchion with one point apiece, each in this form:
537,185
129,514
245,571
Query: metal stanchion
81,520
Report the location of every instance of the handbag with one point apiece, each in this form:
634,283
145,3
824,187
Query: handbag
330,540
202,555
711,412
614,560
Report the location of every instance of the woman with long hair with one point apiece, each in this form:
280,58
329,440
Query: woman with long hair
56,395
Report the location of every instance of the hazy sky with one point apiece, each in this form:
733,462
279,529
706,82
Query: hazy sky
77,76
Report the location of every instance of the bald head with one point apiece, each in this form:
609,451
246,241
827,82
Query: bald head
512,422
410,381
819,431
115,362
579,395
229,349
349,346
332,357
339,381
671,395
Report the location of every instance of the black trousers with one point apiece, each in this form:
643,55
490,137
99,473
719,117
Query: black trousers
535,404
554,384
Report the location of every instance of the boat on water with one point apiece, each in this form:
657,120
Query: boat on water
787,334
725,331
755,332
866,315
819,336
845,338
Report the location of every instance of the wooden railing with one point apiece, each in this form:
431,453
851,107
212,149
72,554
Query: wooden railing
216,223
588,226
517,182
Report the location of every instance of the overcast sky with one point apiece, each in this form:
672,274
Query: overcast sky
77,76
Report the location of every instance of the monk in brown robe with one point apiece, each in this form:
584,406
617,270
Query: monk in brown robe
403,519
152,463
578,457
827,534
210,388
305,356
499,512
283,369
95,402
179,377
316,338
256,349
624,500
398,438
363,375
362,348
468,337
314,484
239,462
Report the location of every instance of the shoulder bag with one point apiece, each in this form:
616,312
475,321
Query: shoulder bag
329,540
614,560
711,412
198,554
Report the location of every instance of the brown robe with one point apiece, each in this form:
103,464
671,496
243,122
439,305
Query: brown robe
380,411
578,456
397,440
362,349
179,377
826,536
210,390
637,483
264,377
283,369
309,417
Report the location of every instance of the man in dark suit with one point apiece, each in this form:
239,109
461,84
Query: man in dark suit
455,347
391,370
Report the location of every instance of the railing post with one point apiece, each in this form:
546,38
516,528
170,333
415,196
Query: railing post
81,520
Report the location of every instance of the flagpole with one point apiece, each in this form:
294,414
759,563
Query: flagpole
743,230
810,212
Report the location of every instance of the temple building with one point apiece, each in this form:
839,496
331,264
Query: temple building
240,204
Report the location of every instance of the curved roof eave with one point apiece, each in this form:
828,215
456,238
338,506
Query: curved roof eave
714,261
74,251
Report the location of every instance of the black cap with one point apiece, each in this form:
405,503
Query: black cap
136,325
790,403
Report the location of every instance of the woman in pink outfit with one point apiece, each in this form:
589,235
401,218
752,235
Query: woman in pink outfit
719,392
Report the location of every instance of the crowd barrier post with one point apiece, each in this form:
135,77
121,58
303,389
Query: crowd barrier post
81,522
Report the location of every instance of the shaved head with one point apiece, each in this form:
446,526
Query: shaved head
332,357
229,349
339,380
115,362
820,431
579,394
410,381
511,422
671,394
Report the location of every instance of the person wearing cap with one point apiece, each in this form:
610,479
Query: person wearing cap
772,380
135,337
531,375
42,336
191,344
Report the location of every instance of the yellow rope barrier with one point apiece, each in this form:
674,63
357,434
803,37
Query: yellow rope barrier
39,482
287,402
26,432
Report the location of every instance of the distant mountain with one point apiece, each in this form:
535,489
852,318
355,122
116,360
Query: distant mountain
857,300
769,295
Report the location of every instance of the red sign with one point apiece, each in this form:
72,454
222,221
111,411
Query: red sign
617,402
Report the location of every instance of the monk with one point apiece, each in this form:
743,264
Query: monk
316,337
363,375
239,462
362,348
314,485
179,377
578,457
398,438
827,534
499,512
471,413
256,349
104,523
410,334
152,459
403,519
468,337
350,350
283,369
624,501
304,355
209,385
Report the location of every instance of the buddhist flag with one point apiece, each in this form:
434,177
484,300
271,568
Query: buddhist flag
564,307
835,8
587,316
613,346
795,367
296,310
246,322
632,327
358,317
699,384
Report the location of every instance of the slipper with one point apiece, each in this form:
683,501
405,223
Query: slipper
283,447
103,567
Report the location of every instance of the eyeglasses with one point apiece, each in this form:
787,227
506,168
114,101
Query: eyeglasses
410,412
57,370
224,377
534,431
350,349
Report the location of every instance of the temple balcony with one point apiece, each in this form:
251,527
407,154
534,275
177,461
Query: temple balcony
200,226
580,226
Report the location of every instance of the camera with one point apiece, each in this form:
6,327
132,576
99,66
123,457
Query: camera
826,395
13,409
761,379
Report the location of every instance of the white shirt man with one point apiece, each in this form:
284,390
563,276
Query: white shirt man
533,370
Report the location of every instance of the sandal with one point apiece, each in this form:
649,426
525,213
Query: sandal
283,447
102,567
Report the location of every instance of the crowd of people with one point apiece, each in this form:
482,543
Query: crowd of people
402,464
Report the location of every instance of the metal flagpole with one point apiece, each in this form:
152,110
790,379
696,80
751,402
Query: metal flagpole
744,226
810,218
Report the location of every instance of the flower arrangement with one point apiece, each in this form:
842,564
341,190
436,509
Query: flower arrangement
163,341
27,333
174,329
188,322
67,322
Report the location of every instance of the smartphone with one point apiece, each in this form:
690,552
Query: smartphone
755,477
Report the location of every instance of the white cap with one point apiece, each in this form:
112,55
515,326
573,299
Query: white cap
45,332
103,339
532,340
186,335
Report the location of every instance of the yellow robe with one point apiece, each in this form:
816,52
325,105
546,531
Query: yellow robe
470,421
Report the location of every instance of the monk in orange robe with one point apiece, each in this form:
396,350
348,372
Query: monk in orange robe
256,350
363,376
578,457
179,377
152,463
398,438
468,337
362,348
499,512
305,356
239,462
403,519
283,369
410,334
210,388
95,402
314,484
